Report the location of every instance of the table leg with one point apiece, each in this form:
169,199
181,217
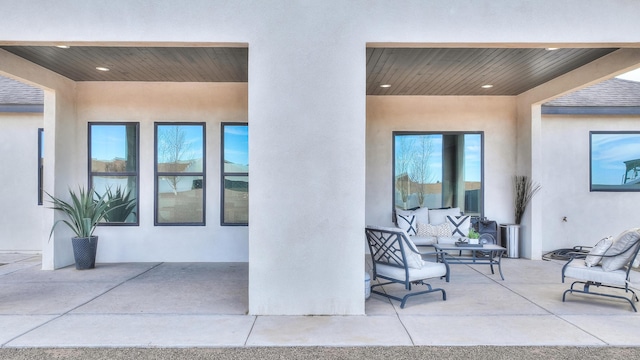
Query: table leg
500,254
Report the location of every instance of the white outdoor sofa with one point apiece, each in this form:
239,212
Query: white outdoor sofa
427,227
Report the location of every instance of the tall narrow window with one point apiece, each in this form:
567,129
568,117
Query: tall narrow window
235,174
40,165
114,168
180,173
437,170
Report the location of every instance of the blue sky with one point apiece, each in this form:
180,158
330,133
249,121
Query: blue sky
108,142
236,143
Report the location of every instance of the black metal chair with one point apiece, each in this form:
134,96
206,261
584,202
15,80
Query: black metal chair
397,259
601,276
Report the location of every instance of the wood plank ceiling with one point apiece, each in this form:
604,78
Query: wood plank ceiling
173,64
462,71
408,71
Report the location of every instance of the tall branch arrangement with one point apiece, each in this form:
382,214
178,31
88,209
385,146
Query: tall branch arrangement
524,190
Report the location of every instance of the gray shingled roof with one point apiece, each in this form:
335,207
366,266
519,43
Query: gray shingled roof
14,92
609,93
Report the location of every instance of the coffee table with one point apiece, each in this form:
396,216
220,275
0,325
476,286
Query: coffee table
494,257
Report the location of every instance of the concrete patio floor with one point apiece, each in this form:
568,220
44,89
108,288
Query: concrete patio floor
205,305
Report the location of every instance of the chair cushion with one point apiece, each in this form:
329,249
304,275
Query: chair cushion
424,240
621,243
412,254
407,223
434,230
577,269
429,270
439,216
459,225
421,214
600,248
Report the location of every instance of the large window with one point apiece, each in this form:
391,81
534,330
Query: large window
113,168
180,173
235,174
436,170
615,160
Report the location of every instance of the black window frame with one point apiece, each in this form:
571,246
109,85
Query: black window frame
157,174
224,174
40,166
393,161
135,173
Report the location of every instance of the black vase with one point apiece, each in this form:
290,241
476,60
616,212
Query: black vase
84,252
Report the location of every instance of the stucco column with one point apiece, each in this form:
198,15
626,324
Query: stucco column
528,162
307,171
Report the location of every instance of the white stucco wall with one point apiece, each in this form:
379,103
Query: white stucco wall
496,116
146,103
307,107
21,222
565,173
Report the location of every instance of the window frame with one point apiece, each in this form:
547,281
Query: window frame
224,174
157,174
126,173
393,162
40,166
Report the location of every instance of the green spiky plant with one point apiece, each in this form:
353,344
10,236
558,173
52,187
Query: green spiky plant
120,206
85,210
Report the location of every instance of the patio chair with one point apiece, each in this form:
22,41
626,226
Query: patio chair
607,265
397,259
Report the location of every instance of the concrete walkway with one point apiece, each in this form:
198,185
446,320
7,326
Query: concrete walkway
188,305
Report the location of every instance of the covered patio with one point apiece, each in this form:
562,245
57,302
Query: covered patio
205,305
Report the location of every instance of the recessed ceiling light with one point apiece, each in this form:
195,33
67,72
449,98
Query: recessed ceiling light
487,86
385,85
551,49
101,68
63,46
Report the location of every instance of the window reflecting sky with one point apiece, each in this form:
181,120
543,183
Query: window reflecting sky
108,142
236,144
180,142
608,154
472,154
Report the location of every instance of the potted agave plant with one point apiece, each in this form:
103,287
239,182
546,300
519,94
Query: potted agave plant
85,210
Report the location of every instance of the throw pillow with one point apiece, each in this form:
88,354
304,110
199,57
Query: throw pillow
407,223
623,242
459,225
411,253
421,214
441,230
595,255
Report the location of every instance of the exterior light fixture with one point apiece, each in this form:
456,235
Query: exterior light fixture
551,49
101,68
63,46
487,86
385,86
